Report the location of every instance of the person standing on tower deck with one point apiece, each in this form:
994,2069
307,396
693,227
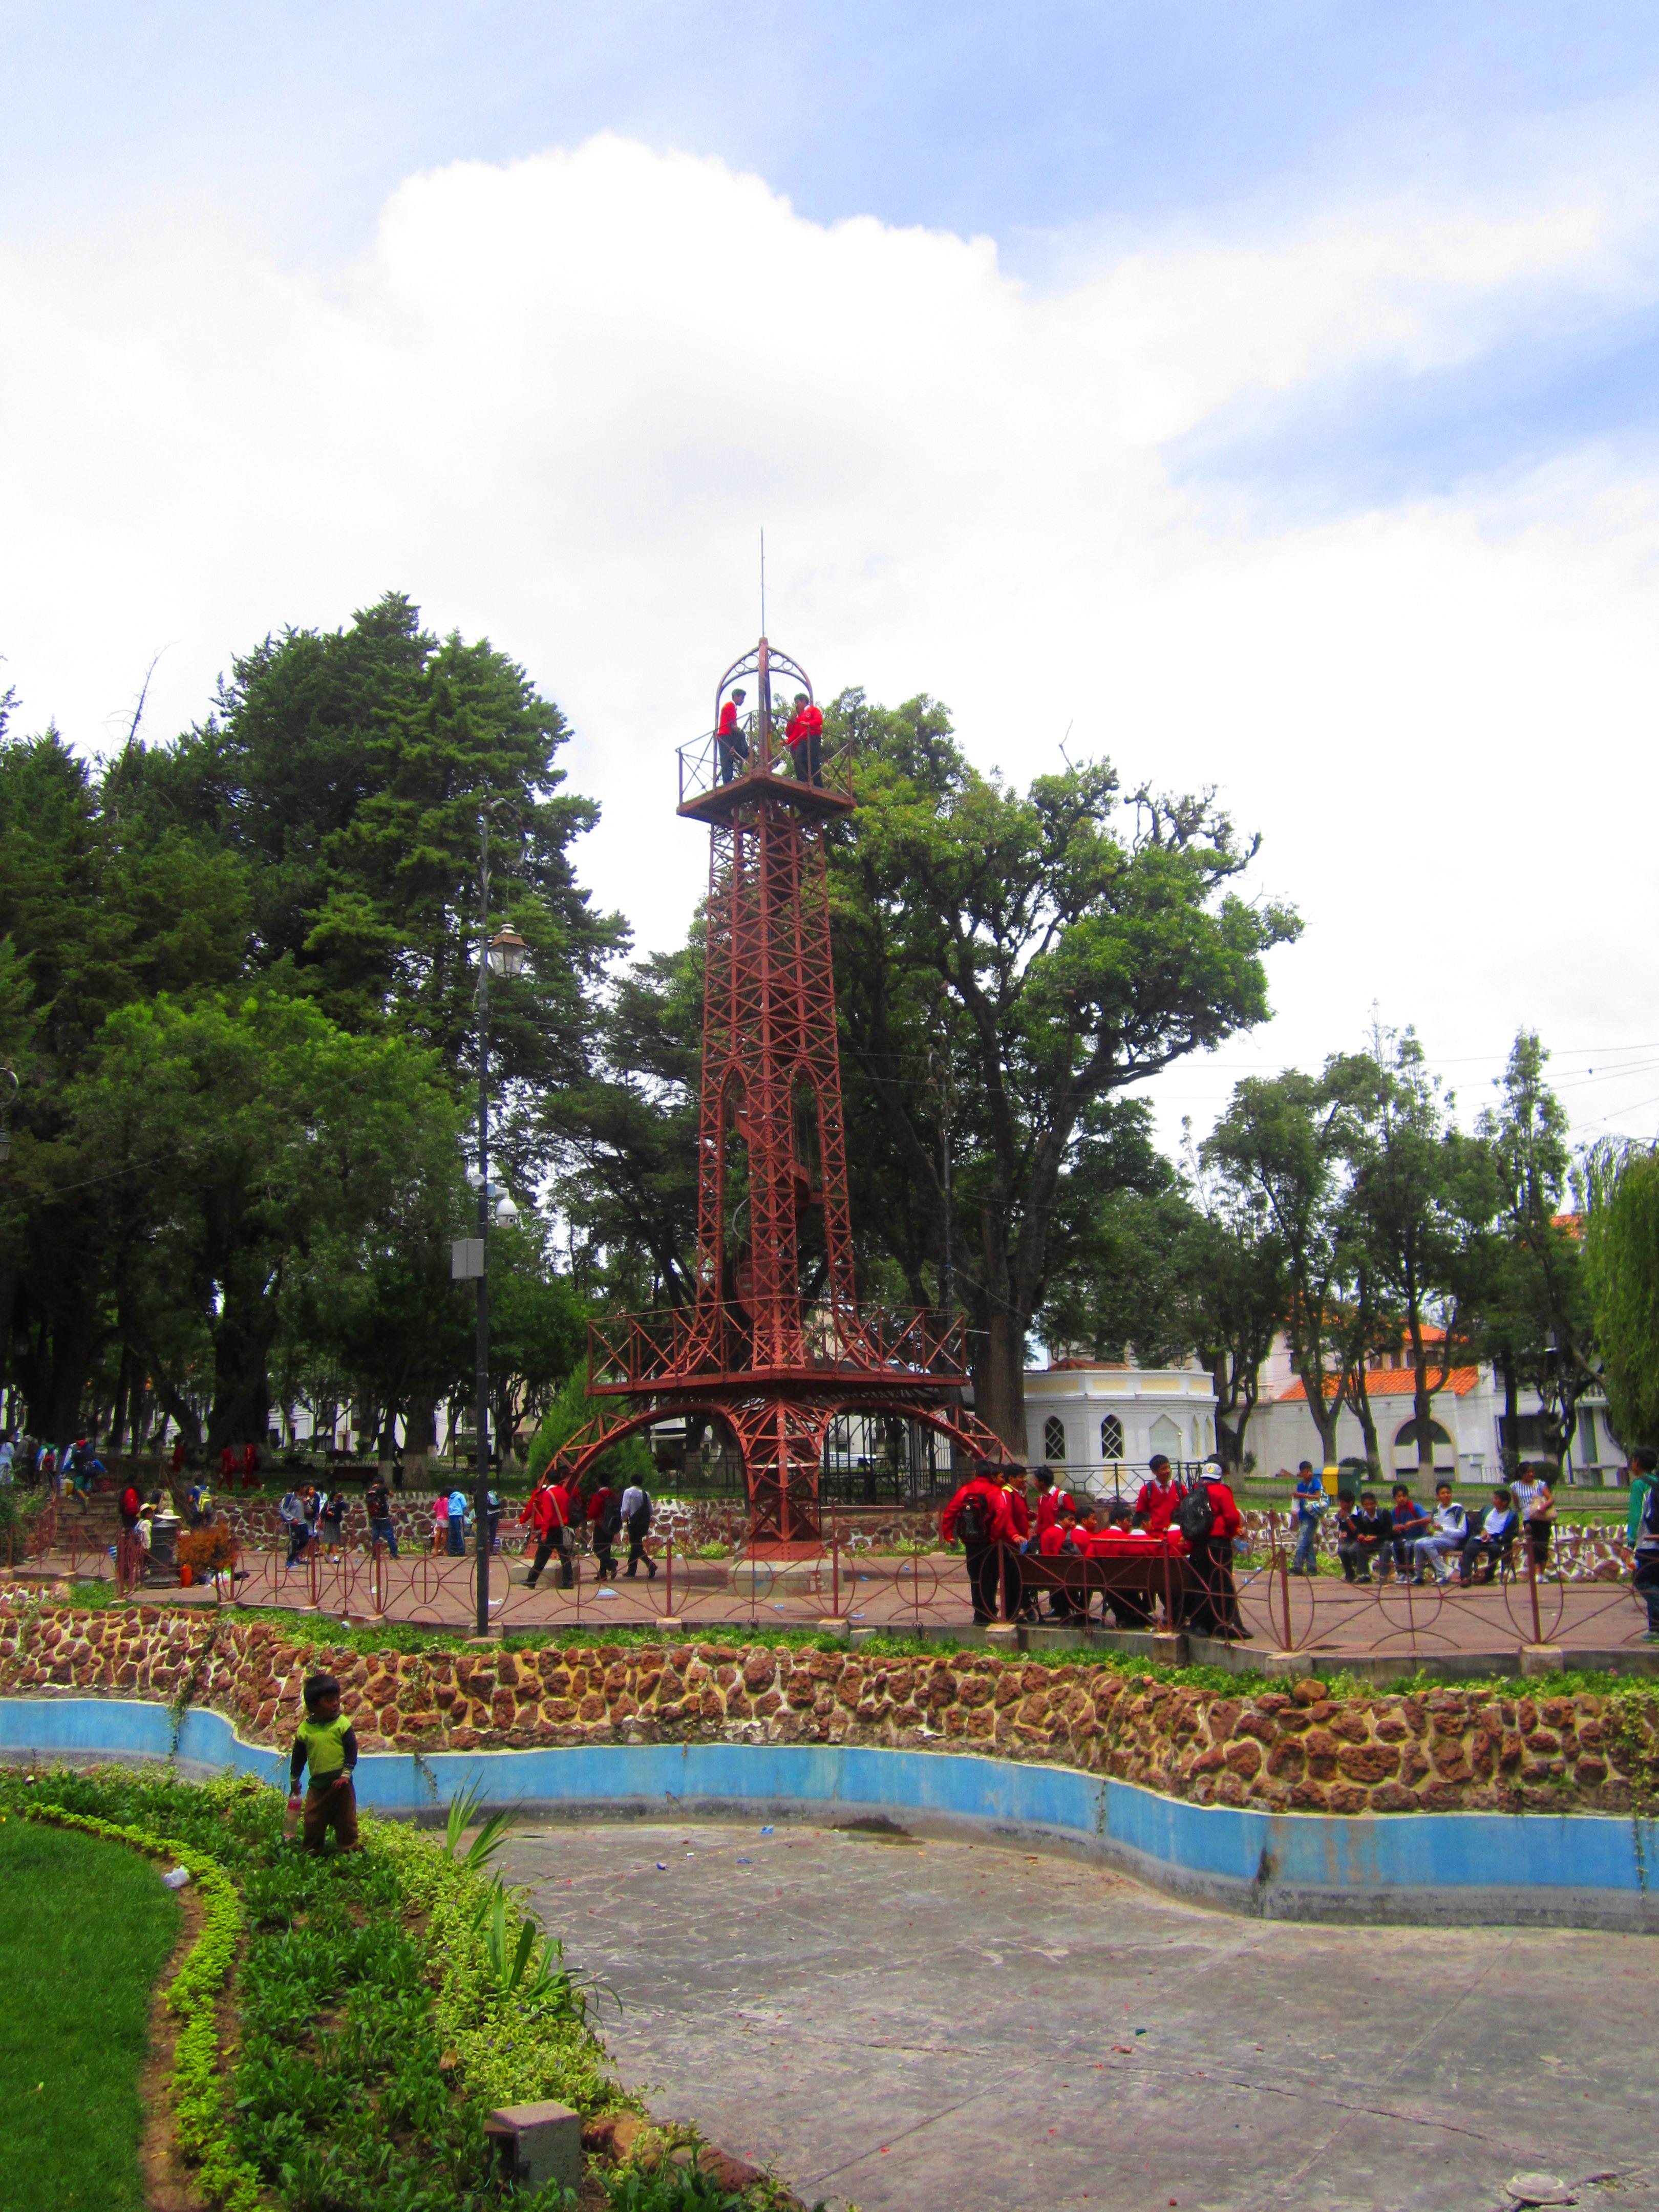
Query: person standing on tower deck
731,744
805,739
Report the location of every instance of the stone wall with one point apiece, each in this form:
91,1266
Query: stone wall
1284,1748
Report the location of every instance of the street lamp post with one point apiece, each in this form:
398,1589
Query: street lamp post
501,955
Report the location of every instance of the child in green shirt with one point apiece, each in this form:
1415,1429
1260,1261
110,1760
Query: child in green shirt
326,1743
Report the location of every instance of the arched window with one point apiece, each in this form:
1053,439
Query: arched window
1405,1445
1054,1438
1111,1437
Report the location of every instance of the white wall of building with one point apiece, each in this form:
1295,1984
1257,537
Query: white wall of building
1140,1411
1281,1433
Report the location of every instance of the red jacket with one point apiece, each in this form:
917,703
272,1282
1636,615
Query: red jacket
1051,1541
1020,1515
597,1501
131,1502
808,723
728,722
1158,1501
977,1485
541,1510
1228,1518
1048,1508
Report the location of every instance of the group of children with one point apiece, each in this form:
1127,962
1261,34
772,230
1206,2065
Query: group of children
1415,1542
992,1519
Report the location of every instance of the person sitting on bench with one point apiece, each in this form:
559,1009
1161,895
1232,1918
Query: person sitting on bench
1492,1541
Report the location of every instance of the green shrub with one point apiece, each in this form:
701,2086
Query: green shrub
628,1461
374,2035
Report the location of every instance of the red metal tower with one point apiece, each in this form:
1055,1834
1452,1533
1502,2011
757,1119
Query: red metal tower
775,1344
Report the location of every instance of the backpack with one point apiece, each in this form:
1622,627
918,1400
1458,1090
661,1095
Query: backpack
1195,1515
610,1519
973,1521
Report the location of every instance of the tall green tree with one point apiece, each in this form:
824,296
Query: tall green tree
97,911
1621,1257
1537,1325
625,1136
348,771
1288,1142
249,1134
1424,1196
1070,940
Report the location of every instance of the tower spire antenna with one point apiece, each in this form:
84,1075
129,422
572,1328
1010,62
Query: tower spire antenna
763,582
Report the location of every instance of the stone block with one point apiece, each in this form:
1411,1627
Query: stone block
1540,1659
539,2143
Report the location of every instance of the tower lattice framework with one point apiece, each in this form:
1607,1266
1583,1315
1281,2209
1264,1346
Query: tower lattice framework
775,1344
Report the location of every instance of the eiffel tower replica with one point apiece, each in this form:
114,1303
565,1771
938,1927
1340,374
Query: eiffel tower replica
775,1345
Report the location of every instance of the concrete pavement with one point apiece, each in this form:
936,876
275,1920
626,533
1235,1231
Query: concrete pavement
950,2028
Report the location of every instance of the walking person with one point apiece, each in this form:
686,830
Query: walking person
636,1520
377,1503
604,1521
1308,1501
294,1514
326,1743
547,1509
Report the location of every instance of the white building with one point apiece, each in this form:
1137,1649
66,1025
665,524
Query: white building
1090,1418
1466,1425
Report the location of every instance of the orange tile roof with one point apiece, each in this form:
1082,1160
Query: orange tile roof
1389,1382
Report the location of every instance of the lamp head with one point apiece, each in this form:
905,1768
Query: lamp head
508,953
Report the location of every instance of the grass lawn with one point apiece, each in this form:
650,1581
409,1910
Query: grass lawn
86,1929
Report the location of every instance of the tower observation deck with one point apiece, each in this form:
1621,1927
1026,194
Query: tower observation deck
775,1343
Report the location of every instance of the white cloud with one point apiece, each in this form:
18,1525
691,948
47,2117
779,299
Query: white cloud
554,401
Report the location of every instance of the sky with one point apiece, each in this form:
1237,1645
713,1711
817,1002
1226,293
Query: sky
1261,396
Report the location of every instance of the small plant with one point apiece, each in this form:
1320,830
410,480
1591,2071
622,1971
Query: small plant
210,1551
492,1831
528,1967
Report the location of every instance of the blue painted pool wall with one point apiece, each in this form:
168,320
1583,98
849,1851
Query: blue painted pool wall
1445,1852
